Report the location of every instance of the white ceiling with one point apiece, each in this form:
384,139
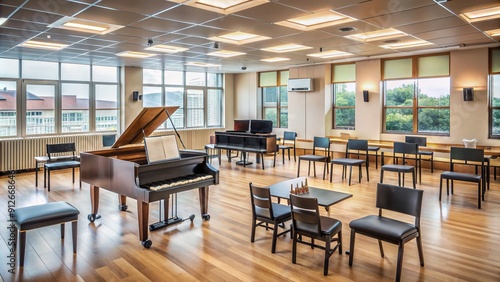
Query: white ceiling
170,23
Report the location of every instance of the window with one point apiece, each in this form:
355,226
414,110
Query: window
417,95
106,105
275,97
75,107
344,96
40,108
494,93
8,116
198,95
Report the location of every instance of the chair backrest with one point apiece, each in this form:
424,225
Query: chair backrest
421,141
60,148
467,154
305,214
405,148
399,199
356,144
261,201
108,140
289,135
321,142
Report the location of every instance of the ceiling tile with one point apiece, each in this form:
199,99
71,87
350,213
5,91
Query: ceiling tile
143,7
447,32
160,25
200,31
5,11
188,14
306,37
233,22
442,23
406,17
31,16
109,16
318,5
379,8
138,32
55,7
271,12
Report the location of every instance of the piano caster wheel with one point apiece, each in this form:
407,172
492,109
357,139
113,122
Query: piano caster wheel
191,218
92,217
205,217
147,244
122,207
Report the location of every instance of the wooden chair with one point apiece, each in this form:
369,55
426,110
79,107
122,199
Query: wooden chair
306,221
266,212
465,156
319,144
407,151
56,163
290,137
422,141
399,199
361,148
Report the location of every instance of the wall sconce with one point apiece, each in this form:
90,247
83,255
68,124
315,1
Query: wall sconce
468,94
136,96
365,96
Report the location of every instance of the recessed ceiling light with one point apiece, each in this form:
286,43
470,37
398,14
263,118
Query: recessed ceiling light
200,64
494,32
391,41
376,35
347,29
166,49
407,44
43,45
239,38
222,6
329,54
275,59
482,15
286,48
2,20
317,20
134,54
84,25
225,54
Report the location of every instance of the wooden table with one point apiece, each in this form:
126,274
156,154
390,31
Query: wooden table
326,198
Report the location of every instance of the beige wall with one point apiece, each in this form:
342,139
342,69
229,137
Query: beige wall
131,81
310,112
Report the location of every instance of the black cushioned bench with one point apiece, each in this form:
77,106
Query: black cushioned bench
28,218
55,163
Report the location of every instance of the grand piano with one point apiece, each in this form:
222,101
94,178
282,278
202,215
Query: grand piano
124,169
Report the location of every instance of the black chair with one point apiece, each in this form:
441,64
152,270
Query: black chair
288,137
360,147
307,222
60,162
399,199
421,141
465,156
319,144
266,212
407,151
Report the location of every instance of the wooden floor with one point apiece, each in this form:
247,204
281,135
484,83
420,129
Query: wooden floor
461,242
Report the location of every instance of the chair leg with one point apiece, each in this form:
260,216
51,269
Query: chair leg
294,247
62,230
381,176
22,247
351,247
440,187
74,234
350,174
73,175
275,236
283,155
294,154
399,179
288,154
479,195
314,168
327,255
400,261
367,173
414,180
325,169
298,168
420,250
252,237
381,248
331,172
360,173
339,235
48,180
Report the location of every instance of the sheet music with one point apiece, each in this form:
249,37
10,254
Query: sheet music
161,148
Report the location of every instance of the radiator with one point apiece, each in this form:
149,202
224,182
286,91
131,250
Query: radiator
19,153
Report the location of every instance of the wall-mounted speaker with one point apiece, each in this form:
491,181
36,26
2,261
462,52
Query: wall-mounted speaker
468,94
135,96
366,96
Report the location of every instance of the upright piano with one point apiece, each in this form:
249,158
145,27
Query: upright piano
124,169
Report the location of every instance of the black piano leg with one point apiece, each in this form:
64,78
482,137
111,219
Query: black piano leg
94,201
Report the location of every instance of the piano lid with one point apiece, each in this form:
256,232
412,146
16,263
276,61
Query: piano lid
148,121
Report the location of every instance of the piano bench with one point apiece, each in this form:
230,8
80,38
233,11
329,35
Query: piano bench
32,217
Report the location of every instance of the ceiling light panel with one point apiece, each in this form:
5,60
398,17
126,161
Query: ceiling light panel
2,20
482,15
166,49
406,44
329,54
134,54
43,45
376,35
239,38
286,48
200,64
222,6
494,32
317,20
75,24
225,54
275,59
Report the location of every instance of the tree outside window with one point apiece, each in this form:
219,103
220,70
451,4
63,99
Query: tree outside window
275,97
494,94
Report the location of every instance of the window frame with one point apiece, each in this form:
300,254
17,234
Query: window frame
491,88
415,105
334,106
279,85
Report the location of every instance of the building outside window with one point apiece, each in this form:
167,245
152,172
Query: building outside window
198,95
274,91
494,94
344,96
417,95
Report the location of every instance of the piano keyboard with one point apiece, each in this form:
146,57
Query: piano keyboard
177,181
